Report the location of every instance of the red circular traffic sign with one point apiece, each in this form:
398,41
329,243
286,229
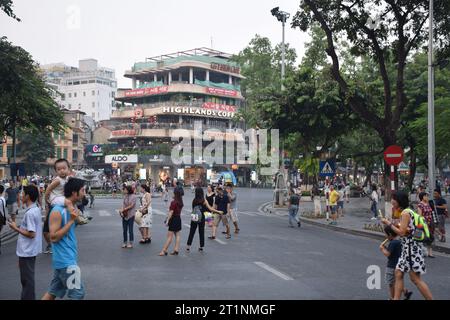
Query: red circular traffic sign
393,155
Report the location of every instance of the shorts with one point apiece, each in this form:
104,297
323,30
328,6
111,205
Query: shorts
441,222
340,204
12,209
390,276
62,279
232,215
334,208
220,217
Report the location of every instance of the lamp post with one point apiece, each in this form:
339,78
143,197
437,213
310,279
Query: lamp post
431,133
282,16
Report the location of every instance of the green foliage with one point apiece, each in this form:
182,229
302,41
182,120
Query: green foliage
6,7
35,147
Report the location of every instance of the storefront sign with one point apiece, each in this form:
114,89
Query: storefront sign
138,113
124,133
94,150
218,107
198,111
121,158
225,68
146,92
222,92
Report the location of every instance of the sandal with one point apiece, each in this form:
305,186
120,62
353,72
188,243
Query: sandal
143,241
148,240
212,238
228,236
130,246
175,253
163,253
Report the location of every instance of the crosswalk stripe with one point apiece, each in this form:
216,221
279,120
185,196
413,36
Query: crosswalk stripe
273,270
251,214
104,213
220,241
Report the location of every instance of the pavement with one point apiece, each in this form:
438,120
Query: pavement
356,219
265,261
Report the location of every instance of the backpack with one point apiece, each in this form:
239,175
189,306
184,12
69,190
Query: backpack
197,215
421,231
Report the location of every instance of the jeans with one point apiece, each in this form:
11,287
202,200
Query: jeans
293,210
127,226
26,266
373,208
201,232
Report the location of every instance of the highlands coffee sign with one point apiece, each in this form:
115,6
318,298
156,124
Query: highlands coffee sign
146,92
121,158
198,111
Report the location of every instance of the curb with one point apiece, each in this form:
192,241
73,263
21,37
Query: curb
362,233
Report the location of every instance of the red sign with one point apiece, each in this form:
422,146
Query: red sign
124,133
139,113
393,155
222,92
146,91
218,107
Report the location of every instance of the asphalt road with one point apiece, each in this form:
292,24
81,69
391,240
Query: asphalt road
267,260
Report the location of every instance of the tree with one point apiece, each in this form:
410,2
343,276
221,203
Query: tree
27,102
6,7
399,30
36,147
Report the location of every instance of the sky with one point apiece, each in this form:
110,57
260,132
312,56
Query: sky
120,33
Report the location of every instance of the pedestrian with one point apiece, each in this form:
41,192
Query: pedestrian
334,198
66,272
29,242
114,189
166,194
179,186
91,199
199,206
145,215
347,192
393,252
315,193
12,200
54,195
340,203
173,221
232,214
127,213
326,191
210,197
2,212
222,203
439,205
424,209
374,202
411,260
294,201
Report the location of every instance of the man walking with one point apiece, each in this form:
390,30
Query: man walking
12,194
294,202
29,243
233,208
222,203
439,205
66,273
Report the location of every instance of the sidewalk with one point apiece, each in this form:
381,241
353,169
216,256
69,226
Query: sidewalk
355,221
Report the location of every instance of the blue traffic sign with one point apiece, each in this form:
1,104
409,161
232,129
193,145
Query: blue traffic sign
327,168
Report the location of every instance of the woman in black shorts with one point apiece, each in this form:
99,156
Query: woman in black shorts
174,223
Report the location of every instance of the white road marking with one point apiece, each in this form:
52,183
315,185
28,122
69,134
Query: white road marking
220,241
274,271
104,213
187,225
251,214
158,212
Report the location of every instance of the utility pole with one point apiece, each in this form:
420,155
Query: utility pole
431,131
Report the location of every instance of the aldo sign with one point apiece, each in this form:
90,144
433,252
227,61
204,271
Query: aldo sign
121,158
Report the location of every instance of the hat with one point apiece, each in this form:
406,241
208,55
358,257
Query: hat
7,185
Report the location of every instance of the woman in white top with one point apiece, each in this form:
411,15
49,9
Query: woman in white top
374,201
145,222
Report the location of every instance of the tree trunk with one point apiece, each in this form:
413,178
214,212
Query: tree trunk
355,173
412,168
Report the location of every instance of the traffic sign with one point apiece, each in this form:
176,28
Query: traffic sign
393,155
327,168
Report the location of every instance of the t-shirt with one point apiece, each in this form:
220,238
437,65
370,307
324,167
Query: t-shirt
295,199
374,196
334,195
395,248
32,222
65,251
233,198
439,202
222,203
12,195
176,208
341,195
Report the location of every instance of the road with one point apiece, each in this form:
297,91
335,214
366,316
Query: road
267,260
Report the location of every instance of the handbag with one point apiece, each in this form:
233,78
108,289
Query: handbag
138,217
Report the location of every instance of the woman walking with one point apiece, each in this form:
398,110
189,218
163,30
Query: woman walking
145,210
411,260
210,197
174,223
199,204
127,213
424,209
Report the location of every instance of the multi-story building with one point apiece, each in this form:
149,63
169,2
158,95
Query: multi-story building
89,88
169,92
69,145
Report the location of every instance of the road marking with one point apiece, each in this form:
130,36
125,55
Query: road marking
251,214
104,213
274,271
220,241
158,212
187,225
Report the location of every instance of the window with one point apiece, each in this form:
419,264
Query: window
70,106
98,92
63,97
74,94
74,155
93,115
58,153
75,139
65,153
93,92
93,104
70,94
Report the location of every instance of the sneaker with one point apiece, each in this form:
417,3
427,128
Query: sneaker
373,218
48,250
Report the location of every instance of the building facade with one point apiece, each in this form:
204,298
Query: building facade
192,89
89,88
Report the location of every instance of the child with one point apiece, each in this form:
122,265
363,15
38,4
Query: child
392,252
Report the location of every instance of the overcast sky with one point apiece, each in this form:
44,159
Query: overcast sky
119,33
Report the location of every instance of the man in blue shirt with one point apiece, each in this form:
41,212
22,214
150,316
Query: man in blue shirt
29,243
66,273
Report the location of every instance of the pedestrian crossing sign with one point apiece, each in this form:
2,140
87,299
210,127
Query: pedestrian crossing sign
327,168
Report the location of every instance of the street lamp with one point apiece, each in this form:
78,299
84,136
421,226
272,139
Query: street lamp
281,16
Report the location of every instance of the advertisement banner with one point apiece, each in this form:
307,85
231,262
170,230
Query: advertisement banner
222,92
121,158
146,92
218,107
